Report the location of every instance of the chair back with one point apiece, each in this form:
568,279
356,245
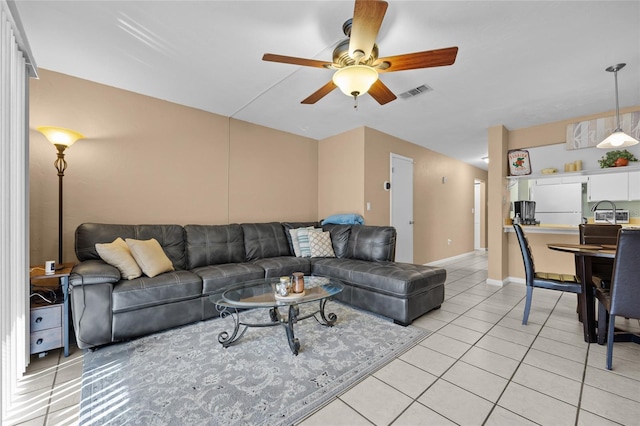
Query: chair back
592,233
527,257
625,286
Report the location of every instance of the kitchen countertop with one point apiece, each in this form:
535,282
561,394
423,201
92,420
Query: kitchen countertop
556,229
545,229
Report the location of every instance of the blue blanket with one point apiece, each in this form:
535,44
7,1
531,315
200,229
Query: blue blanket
344,219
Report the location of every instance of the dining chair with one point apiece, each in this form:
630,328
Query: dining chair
601,269
548,280
598,234
623,297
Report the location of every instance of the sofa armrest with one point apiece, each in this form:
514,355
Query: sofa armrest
93,272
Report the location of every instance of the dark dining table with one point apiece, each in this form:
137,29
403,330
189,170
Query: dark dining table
584,254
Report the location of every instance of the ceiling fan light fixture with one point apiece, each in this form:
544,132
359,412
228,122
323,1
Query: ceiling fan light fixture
355,80
618,138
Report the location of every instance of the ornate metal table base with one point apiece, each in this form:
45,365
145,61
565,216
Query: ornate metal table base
277,318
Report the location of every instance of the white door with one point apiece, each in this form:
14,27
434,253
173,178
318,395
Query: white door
402,206
476,216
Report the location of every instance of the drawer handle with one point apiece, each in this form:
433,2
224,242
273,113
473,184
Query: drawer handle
39,342
39,319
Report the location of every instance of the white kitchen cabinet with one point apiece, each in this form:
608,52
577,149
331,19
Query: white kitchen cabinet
634,186
549,181
575,179
608,186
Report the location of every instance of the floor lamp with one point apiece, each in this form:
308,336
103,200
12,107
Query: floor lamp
62,139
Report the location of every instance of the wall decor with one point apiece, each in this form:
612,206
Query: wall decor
519,163
587,134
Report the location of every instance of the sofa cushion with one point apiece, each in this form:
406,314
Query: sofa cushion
216,277
262,240
214,245
284,265
118,254
165,288
374,243
339,238
401,280
170,237
149,256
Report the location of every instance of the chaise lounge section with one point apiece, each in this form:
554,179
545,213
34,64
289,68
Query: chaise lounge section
208,258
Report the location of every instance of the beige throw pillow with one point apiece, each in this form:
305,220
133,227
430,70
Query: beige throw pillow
320,244
117,254
150,256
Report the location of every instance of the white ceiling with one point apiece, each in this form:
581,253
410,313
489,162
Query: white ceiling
519,63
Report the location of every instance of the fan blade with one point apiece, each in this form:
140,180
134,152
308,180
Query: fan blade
427,59
295,61
367,18
320,93
381,93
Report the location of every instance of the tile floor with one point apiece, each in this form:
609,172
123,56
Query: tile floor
480,366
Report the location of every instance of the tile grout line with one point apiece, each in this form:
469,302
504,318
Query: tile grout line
584,375
519,364
440,377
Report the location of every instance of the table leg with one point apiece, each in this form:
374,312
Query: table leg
64,282
294,343
587,300
224,338
329,319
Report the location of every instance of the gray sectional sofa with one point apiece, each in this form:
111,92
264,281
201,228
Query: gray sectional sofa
208,258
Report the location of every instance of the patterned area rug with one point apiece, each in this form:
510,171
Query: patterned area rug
184,376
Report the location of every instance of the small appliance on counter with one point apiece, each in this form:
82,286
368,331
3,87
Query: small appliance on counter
524,212
606,216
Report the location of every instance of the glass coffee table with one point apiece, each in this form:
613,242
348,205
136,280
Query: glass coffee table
282,311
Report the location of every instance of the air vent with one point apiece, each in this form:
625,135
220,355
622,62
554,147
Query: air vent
415,92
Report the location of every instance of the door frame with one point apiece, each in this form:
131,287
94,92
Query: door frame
393,156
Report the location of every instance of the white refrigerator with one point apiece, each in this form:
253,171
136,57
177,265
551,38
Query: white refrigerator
558,204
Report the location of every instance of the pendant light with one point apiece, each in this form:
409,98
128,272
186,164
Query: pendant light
618,138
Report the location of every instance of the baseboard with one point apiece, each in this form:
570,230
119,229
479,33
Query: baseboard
499,283
460,256
507,280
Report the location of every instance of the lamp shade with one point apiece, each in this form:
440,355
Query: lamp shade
355,80
617,139
60,135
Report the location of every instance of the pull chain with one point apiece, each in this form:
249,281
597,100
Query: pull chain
355,100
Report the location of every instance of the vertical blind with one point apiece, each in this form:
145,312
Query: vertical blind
15,68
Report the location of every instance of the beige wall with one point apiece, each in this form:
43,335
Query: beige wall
546,260
496,204
273,176
149,161
341,174
505,259
441,211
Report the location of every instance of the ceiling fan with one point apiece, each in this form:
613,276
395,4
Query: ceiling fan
356,60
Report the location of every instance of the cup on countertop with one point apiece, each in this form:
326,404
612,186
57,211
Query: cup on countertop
49,267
